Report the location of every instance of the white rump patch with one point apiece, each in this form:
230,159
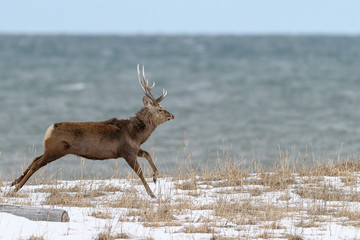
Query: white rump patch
48,133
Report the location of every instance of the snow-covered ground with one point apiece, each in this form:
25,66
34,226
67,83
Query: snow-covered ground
255,206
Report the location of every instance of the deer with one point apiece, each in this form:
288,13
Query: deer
110,139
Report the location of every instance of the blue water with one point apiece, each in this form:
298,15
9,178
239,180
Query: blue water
245,95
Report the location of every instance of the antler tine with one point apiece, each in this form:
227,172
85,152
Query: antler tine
139,76
162,96
145,80
145,84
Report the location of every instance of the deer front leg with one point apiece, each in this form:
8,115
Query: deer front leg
131,160
146,155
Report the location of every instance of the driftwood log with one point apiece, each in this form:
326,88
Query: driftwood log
36,213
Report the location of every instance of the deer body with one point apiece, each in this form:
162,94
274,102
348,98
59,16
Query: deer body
96,140
108,139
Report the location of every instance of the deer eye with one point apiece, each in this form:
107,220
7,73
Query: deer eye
160,110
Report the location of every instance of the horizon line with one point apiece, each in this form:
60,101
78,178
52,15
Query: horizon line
200,34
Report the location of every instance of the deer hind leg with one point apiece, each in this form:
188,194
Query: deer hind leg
25,172
38,163
136,167
146,155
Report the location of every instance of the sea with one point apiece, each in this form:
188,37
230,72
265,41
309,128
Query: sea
239,98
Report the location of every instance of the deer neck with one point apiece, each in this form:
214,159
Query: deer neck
143,125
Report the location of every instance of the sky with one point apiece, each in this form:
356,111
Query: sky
180,17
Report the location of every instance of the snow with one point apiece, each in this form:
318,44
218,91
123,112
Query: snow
271,214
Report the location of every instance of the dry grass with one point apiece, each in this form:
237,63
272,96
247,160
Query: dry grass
224,208
187,185
248,213
100,214
276,181
264,235
320,210
162,224
307,224
36,238
129,201
60,188
349,180
110,188
12,194
228,171
161,213
350,214
293,237
274,225
229,195
328,193
215,237
67,199
334,169
202,228
109,236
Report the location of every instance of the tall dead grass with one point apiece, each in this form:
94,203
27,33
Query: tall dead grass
236,192
111,235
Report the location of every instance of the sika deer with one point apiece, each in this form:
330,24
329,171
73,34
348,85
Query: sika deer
105,140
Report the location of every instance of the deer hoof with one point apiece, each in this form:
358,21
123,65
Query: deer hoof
154,178
151,194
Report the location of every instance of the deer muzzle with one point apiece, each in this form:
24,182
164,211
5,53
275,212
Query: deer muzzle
170,118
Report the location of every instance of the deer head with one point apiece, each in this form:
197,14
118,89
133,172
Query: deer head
155,111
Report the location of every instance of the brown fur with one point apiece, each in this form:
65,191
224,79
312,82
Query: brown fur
108,139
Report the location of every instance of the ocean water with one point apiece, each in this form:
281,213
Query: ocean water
242,95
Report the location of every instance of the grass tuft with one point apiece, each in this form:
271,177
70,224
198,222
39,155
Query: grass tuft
100,214
36,238
67,199
109,235
202,228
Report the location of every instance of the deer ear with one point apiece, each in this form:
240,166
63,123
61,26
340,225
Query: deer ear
146,101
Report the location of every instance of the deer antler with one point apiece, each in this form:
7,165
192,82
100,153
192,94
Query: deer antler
163,95
144,83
